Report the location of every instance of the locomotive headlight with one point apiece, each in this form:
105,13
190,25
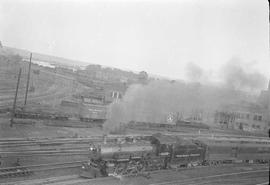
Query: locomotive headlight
83,167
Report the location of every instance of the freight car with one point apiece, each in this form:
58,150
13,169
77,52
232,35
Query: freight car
93,113
169,126
166,152
40,115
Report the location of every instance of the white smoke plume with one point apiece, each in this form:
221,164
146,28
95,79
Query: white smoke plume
155,101
240,76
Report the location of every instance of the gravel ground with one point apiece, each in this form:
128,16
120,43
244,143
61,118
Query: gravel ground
231,174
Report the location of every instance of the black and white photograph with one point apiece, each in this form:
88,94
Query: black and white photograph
134,92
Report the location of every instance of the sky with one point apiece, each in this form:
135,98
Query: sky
162,37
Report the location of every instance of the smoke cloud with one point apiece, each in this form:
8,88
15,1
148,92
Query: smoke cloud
155,101
240,76
194,72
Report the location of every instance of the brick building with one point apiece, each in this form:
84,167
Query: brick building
243,116
246,115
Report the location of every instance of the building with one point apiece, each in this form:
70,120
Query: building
264,101
249,116
241,116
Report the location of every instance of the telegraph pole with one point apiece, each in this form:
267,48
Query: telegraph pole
28,78
268,89
15,98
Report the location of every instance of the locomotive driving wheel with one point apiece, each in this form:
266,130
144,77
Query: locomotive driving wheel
130,168
120,168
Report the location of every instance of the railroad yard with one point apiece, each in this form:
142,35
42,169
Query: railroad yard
49,147
66,122
59,161
229,174
46,145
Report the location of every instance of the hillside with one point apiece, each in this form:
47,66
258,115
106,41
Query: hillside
45,86
59,88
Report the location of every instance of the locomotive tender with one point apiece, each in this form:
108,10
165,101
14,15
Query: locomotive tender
170,152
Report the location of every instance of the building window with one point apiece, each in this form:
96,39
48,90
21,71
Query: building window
260,118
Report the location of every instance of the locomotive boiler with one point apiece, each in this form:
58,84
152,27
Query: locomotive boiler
133,158
116,158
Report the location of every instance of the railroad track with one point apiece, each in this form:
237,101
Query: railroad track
44,153
17,142
203,180
50,180
14,172
115,180
14,141
19,171
46,149
212,178
22,141
53,146
63,180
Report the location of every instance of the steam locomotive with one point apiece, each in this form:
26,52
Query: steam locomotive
170,152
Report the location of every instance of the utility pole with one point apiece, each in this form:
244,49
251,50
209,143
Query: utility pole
28,78
268,89
15,99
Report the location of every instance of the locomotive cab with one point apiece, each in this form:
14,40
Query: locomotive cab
177,152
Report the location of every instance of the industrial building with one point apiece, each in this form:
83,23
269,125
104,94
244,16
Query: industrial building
248,116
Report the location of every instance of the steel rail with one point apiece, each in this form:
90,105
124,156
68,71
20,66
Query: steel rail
36,168
207,177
